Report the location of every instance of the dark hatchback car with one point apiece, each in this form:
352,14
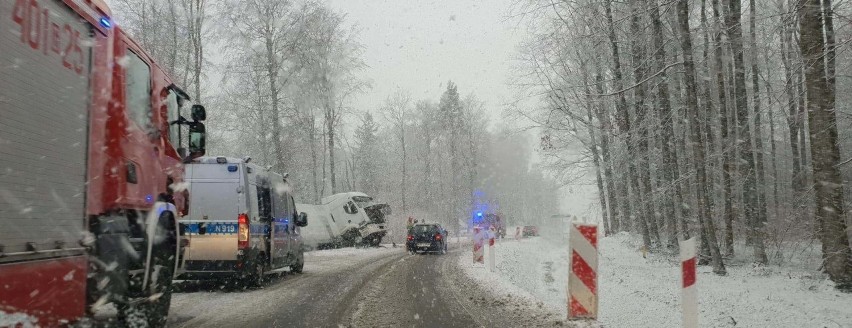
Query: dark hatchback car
427,237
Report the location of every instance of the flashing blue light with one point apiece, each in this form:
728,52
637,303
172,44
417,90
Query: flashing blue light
105,22
479,214
149,199
232,168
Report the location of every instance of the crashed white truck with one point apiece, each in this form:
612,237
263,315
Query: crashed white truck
344,220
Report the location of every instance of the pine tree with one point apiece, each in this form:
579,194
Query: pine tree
367,158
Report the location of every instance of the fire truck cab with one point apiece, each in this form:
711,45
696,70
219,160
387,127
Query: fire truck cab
90,134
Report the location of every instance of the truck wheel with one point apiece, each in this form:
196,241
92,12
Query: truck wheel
132,315
163,267
375,242
149,305
350,239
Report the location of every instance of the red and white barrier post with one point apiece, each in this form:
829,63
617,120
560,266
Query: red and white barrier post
689,302
583,277
477,245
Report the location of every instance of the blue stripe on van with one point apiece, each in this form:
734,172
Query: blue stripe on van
211,228
223,228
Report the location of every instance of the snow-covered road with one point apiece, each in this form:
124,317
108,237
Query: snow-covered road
384,287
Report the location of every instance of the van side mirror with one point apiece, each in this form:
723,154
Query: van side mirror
302,220
198,113
197,140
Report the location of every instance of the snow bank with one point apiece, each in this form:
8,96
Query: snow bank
17,319
509,282
639,292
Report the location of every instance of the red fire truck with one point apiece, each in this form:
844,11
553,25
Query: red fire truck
90,141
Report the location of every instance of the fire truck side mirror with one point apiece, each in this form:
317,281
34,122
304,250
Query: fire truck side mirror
197,140
198,113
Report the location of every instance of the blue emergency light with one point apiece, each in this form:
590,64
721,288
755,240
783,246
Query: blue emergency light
105,22
232,168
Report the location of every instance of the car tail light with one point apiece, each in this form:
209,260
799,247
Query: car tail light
410,237
243,234
437,236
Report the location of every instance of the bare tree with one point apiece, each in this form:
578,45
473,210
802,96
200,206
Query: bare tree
396,111
828,184
748,171
704,218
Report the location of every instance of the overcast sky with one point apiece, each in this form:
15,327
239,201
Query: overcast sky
417,46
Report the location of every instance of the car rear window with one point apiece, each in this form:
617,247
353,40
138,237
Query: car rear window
418,229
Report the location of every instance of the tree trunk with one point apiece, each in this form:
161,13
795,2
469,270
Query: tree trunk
773,148
696,140
825,153
709,109
330,129
828,18
593,148
197,16
639,137
759,222
427,166
748,172
792,102
404,176
272,76
171,60
669,168
606,158
726,138
313,145
621,119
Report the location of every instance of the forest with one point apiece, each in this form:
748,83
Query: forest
720,119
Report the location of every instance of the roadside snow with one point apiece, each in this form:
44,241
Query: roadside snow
639,292
510,285
17,319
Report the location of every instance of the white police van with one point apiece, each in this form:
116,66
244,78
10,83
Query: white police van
242,224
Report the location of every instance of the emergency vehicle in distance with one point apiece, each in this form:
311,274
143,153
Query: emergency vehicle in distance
490,221
242,223
90,135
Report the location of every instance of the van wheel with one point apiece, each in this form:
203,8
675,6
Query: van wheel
258,275
298,267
